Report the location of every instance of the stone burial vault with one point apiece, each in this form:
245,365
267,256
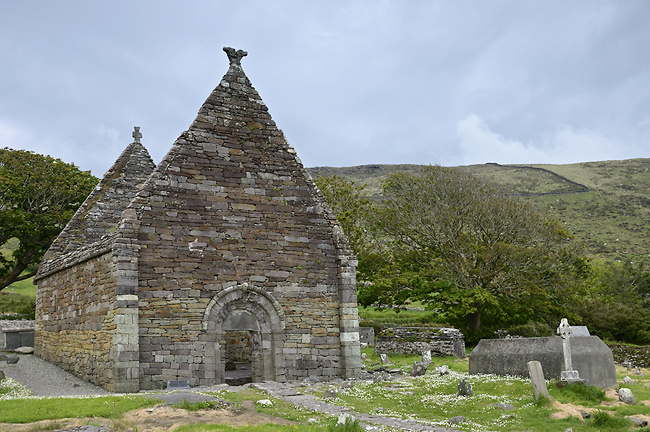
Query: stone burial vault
225,254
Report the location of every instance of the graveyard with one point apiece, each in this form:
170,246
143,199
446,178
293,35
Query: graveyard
498,403
220,289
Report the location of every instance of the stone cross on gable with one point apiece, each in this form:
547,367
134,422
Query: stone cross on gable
136,134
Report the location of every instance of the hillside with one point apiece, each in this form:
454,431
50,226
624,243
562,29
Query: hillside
606,204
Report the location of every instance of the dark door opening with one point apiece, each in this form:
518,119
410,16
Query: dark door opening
238,357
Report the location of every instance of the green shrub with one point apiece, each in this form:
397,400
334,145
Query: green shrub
532,329
581,393
351,425
605,420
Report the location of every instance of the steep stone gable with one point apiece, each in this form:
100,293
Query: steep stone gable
232,194
230,214
94,224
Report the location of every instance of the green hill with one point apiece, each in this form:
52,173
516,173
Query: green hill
606,204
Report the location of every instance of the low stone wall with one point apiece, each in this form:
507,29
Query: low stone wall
416,340
639,356
367,335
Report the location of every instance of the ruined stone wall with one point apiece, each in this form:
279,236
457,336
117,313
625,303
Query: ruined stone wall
75,324
416,340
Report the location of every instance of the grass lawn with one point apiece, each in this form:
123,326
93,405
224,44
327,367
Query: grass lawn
25,287
500,404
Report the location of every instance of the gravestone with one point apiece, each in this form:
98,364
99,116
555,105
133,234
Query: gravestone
384,359
426,357
419,369
537,379
178,384
465,388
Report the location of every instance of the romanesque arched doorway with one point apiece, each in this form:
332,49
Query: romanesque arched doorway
252,318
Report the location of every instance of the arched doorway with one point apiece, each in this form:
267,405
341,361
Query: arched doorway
241,347
252,318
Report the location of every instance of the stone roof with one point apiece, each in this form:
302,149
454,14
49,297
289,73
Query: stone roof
92,227
234,141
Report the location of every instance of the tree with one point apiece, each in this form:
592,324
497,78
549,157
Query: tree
614,301
38,196
485,252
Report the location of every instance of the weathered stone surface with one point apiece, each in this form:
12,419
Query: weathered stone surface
457,420
226,251
465,388
367,335
12,359
2,375
419,369
638,421
590,356
537,379
24,350
625,395
442,370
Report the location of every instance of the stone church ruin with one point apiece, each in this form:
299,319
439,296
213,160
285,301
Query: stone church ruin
224,254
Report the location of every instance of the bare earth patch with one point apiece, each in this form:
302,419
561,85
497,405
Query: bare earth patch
568,410
160,419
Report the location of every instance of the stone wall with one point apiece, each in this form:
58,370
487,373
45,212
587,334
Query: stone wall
239,346
638,356
75,324
415,340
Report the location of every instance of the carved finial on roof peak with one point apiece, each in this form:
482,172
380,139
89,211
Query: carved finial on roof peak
235,56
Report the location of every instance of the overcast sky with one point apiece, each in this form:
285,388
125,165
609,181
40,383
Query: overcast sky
349,82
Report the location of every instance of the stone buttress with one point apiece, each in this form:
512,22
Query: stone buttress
82,321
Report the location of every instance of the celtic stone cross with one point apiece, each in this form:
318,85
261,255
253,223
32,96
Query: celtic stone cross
568,374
